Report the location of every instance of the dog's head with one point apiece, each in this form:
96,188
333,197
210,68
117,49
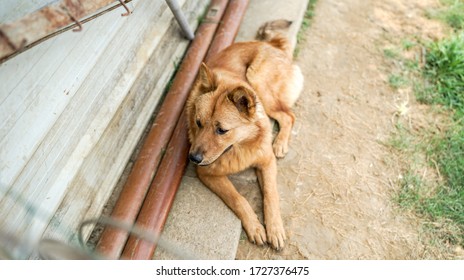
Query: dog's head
221,115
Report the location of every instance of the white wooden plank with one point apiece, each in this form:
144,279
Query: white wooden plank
35,101
39,165
97,187
14,70
17,91
45,179
81,111
116,138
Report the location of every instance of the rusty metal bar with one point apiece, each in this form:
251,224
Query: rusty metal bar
161,194
159,199
15,36
225,35
133,193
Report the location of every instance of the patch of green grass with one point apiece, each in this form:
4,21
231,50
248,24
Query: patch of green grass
440,202
397,81
437,79
412,65
411,185
402,139
448,152
453,14
408,44
444,70
306,23
404,68
442,210
391,53
309,14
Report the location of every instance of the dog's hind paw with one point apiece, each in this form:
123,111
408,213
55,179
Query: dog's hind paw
280,149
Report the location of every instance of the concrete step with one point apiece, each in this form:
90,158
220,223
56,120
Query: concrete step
200,225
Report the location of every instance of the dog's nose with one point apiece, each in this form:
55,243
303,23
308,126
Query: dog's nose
196,158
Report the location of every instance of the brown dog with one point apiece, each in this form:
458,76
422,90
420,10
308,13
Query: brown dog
230,131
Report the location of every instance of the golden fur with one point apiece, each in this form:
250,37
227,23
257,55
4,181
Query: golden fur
229,128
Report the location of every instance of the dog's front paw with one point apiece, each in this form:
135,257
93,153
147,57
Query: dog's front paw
256,233
280,148
276,236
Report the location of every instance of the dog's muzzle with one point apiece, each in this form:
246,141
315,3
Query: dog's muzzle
197,158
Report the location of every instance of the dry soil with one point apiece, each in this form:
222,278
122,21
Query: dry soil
337,182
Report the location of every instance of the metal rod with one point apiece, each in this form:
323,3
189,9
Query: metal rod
161,195
179,15
79,24
230,23
128,12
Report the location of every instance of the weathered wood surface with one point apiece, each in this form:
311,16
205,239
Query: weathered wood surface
72,110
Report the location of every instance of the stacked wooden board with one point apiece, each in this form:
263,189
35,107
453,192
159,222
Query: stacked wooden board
72,110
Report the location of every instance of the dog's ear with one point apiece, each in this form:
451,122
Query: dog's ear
207,79
244,100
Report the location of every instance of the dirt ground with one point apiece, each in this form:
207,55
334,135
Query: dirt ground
336,183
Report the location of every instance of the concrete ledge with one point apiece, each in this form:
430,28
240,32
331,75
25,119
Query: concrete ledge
200,224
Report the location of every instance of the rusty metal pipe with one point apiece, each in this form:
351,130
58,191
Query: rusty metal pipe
225,35
159,199
130,200
161,195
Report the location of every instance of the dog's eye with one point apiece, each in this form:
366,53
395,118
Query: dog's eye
199,124
221,131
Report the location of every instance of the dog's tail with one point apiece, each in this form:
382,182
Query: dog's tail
274,32
282,43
